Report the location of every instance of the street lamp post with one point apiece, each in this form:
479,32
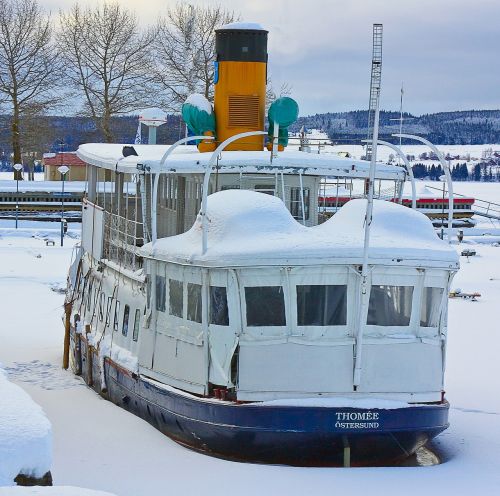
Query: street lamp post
63,171
18,168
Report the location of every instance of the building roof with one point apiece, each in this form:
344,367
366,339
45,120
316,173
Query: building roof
69,159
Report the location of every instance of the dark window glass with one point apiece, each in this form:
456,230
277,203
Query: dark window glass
296,203
148,292
126,315
321,305
265,306
108,310
137,322
431,304
102,302
160,293
267,189
219,314
194,302
175,301
89,294
390,305
117,316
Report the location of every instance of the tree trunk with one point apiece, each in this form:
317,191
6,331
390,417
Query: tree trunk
106,128
16,142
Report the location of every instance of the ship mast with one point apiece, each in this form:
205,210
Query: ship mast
376,78
371,148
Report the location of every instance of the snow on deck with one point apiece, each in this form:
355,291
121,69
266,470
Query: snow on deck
25,434
249,228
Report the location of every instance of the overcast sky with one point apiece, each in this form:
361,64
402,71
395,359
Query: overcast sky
447,52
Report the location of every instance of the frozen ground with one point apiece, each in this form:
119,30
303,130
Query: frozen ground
100,446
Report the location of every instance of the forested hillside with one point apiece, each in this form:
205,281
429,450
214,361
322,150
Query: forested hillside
468,127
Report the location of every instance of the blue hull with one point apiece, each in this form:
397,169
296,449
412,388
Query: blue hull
305,436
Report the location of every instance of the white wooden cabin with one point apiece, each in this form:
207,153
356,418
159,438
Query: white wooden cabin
271,296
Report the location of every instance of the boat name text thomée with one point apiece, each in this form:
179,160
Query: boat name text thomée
342,417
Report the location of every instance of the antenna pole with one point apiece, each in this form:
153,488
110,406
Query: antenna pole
375,80
372,147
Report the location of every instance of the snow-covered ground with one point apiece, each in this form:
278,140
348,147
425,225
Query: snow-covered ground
25,434
98,445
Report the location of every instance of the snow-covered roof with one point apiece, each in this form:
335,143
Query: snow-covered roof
253,26
246,228
187,159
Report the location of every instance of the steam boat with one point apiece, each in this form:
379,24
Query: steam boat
208,298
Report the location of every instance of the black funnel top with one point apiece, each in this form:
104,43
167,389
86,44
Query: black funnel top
241,45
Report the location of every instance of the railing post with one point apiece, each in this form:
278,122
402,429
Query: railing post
154,195
206,180
447,173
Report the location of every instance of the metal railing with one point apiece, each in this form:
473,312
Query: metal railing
122,239
484,208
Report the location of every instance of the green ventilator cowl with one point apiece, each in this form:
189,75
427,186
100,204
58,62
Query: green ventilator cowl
283,111
199,120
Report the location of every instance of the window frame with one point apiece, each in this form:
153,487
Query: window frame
125,319
345,310
260,287
296,204
137,324
116,316
412,299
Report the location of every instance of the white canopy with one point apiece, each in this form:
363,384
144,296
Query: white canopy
247,228
187,159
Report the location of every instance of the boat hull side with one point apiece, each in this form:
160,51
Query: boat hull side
292,435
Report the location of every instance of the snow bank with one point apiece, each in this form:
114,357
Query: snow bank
200,102
365,403
119,355
25,435
243,25
50,491
244,226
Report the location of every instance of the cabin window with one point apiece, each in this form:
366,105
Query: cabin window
175,300
321,305
431,304
89,294
265,306
102,303
268,189
137,321
194,302
108,310
117,315
390,305
160,293
148,291
219,314
126,315
296,203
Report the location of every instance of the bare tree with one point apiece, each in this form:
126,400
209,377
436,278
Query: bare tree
185,49
271,95
29,72
107,60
